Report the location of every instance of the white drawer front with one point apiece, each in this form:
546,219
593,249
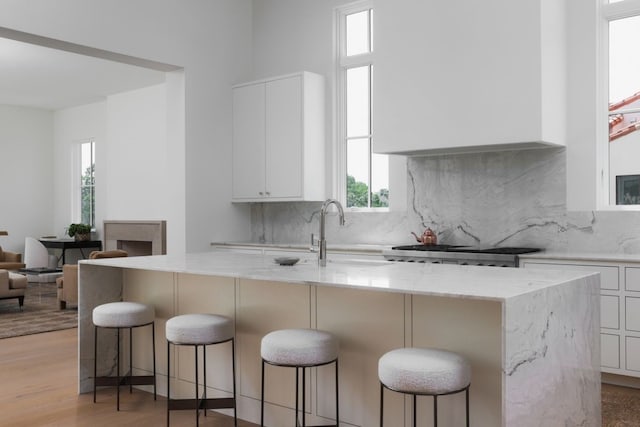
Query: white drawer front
633,353
610,351
632,279
632,310
608,274
609,312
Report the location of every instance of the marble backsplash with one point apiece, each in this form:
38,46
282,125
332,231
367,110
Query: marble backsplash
510,198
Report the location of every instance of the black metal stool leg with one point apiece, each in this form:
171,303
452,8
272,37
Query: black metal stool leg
95,360
297,395
262,397
467,397
197,399
168,379
153,343
415,411
337,398
304,401
204,370
118,371
130,360
381,404
435,411
233,365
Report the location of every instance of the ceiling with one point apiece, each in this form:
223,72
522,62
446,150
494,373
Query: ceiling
42,77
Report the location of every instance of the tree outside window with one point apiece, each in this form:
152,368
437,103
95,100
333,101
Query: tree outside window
87,183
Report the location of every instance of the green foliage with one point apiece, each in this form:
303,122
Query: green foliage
87,195
358,195
79,229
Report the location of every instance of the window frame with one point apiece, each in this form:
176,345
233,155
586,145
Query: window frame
77,184
608,12
342,64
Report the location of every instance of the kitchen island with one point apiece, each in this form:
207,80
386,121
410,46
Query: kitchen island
532,337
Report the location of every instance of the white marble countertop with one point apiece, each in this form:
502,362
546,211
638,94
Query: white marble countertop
491,283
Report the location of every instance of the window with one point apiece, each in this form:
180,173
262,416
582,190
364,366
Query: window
86,190
622,22
363,178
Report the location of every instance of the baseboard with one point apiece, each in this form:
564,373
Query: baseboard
621,380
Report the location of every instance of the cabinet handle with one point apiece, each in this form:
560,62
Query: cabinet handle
260,193
268,193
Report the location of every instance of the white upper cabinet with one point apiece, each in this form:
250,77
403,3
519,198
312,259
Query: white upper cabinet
466,75
278,139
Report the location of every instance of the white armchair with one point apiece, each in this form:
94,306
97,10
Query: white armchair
37,256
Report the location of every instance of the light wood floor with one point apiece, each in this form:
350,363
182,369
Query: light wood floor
38,387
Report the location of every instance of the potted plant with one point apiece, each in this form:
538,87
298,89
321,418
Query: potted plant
80,231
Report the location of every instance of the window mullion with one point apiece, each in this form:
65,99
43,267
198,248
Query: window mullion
349,138
356,61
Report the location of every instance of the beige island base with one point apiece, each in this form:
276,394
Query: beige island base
532,337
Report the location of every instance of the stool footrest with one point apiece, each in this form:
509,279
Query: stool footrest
213,403
134,380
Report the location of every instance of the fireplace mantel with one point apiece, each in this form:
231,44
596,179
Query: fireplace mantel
136,237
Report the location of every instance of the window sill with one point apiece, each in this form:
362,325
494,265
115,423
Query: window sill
619,208
368,210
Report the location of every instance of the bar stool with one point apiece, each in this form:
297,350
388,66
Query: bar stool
201,330
123,315
300,349
424,372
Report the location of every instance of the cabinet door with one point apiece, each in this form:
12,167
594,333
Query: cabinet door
284,139
248,141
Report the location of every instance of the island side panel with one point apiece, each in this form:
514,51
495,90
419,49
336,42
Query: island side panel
262,307
212,295
156,288
472,328
552,356
367,324
96,285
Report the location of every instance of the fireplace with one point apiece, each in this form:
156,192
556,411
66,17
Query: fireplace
138,238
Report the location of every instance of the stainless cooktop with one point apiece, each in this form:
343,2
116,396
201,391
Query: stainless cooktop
503,256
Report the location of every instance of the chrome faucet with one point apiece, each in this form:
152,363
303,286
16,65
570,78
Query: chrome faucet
322,243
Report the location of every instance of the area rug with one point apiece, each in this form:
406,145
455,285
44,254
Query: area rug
39,314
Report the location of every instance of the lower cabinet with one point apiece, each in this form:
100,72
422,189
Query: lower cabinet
619,309
366,323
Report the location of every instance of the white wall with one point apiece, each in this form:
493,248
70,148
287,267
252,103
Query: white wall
137,166
212,41
294,35
72,125
139,175
26,188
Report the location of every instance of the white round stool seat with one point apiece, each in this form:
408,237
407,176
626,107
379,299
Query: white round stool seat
123,315
424,371
197,329
299,347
